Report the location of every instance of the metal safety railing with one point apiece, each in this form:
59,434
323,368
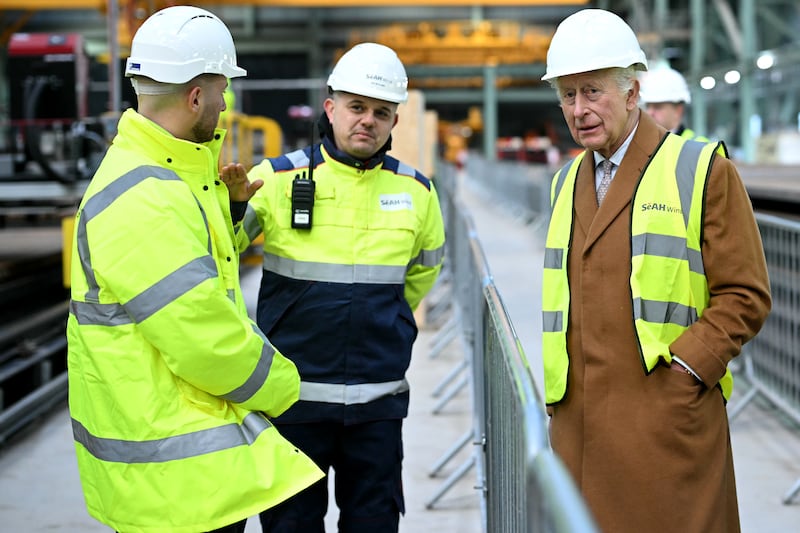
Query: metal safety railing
770,363
524,486
772,359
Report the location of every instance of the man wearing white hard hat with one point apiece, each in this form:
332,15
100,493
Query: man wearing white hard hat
654,277
353,240
665,95
170,383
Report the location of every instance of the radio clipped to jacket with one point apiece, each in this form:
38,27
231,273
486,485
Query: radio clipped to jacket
303,193
302,200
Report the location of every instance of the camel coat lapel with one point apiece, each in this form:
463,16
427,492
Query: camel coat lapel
595,221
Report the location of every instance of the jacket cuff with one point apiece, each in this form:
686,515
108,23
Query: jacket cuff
238,210
699,358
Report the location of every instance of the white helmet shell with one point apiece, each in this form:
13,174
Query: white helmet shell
664,84
592,39
178,43
372,70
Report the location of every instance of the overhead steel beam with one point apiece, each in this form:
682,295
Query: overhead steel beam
388,3
532,70
504,96
36,5
100,4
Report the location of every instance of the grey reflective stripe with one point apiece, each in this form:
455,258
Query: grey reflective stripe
98,203
405,170
667,246
696,261
552,321
664,312
553,258
94,314
334,273
428,258
232,295
258,376
349,394
209,248
172,448
561,178
685,170
298,158
171,287
251,224
157,295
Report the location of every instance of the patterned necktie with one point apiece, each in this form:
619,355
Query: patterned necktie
605,181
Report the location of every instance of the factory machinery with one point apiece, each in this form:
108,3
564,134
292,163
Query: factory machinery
49,148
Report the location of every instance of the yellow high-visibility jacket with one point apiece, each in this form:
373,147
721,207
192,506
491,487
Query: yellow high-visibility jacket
668,284
690,134
168,377
338,298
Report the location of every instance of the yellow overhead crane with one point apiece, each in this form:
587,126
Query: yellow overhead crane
463,43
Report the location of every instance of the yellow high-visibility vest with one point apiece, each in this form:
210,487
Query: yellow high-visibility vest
666,233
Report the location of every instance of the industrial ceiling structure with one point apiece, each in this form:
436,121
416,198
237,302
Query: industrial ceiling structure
462,54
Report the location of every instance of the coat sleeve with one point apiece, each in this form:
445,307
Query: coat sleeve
424,268
736,271
258,213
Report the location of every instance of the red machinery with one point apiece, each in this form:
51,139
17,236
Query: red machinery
48,135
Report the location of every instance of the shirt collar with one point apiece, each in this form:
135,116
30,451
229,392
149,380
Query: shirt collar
617,156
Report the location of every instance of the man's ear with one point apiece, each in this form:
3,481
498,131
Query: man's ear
633,96
193,98
327,105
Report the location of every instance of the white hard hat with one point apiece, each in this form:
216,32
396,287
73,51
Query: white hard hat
664,84
592,39
373,70
178,43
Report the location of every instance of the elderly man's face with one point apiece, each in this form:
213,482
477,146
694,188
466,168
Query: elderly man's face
598,113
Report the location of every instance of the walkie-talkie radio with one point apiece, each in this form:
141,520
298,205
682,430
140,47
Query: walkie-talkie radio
303,193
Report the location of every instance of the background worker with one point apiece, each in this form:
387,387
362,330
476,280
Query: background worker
665,94
648,293
168,377
346,262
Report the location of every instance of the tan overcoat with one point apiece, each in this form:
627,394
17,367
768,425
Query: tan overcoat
652,453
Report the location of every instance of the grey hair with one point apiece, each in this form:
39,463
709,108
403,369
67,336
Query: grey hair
623,77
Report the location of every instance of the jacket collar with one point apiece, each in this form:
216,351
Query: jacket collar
167,150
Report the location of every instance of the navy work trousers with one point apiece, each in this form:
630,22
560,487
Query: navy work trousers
367,463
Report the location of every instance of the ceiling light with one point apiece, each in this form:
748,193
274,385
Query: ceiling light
708,83
732,77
